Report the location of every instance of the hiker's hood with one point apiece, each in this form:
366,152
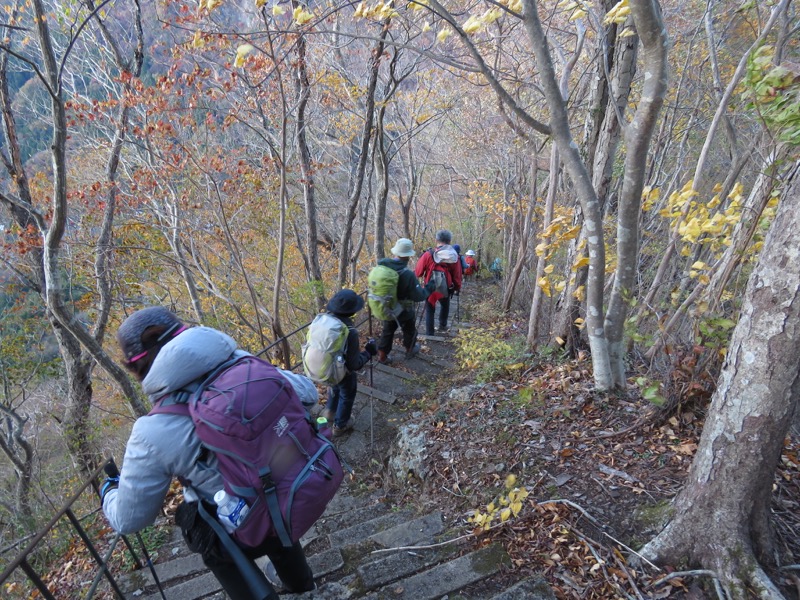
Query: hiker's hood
393,263
193,353
445,254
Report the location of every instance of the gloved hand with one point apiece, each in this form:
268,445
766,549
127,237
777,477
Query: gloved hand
111,482
457,292
371,347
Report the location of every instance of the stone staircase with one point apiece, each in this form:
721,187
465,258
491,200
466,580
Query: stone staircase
361,547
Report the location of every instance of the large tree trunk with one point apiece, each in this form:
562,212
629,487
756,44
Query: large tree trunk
721,517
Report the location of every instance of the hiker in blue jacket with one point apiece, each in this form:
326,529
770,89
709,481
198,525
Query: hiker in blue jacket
344,305
166,356
408,292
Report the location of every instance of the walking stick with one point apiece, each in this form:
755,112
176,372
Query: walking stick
371,399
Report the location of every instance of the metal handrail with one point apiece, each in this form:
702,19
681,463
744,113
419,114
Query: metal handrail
21,560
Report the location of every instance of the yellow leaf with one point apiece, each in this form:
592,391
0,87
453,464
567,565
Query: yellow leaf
704,279
260,3
578,14
560,341
540,249
583,261
426,26
443,34
212,4
511,481
580,293
241,53
197,41
699,265
301,15
549,269
627,32
490,508
516,507
560,286
545,285
472,25
505,514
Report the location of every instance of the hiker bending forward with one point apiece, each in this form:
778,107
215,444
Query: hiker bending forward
408,292
344,306
166,357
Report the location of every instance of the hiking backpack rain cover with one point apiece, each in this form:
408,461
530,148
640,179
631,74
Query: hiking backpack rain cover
269,451
382,296
323,352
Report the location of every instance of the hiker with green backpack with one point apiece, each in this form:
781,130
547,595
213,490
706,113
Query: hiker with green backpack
393,290
331,356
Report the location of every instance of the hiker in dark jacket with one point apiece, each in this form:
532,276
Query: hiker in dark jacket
408,292
344,305
166,356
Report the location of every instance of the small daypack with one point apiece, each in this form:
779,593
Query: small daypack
324,350
382,295
269,450
440,275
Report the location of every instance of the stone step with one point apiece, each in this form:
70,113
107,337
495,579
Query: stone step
395,372
373,393
446,578
357,533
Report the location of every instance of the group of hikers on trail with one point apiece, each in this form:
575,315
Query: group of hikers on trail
256,469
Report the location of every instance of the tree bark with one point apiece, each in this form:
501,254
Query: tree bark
652,32
574,165
721,517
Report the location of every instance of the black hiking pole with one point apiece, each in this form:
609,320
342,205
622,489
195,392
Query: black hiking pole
458,309
371,399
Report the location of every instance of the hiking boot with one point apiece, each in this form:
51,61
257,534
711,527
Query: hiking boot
337,431
383,357
413,351
443,328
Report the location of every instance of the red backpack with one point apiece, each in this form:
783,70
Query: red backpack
269,450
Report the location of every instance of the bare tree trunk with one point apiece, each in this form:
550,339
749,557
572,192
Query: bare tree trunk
363,157
650,26
541,263
524,238
559,124
309,196
721,519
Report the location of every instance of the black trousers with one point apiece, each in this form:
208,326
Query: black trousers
290,563
407,324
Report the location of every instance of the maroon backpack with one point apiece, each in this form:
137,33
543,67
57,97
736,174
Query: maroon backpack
269,450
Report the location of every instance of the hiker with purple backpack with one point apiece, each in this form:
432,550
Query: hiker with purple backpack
186,371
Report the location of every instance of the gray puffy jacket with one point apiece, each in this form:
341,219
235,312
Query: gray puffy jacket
162,446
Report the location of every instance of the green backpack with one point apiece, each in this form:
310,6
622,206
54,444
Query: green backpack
323,352
382,296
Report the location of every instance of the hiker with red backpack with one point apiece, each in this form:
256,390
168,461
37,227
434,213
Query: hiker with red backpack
393,302
442,265
343,306
223,422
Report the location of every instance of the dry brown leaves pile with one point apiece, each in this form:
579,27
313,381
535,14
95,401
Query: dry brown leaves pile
599,477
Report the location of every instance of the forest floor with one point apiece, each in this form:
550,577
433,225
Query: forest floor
599,471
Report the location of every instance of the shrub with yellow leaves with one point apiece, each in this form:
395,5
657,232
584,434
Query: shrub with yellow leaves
504,507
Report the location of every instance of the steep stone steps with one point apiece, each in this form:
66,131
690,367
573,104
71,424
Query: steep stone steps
360,547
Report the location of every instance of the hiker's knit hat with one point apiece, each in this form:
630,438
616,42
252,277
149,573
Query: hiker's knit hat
444,236
130,332
404,247
345,302
457,248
